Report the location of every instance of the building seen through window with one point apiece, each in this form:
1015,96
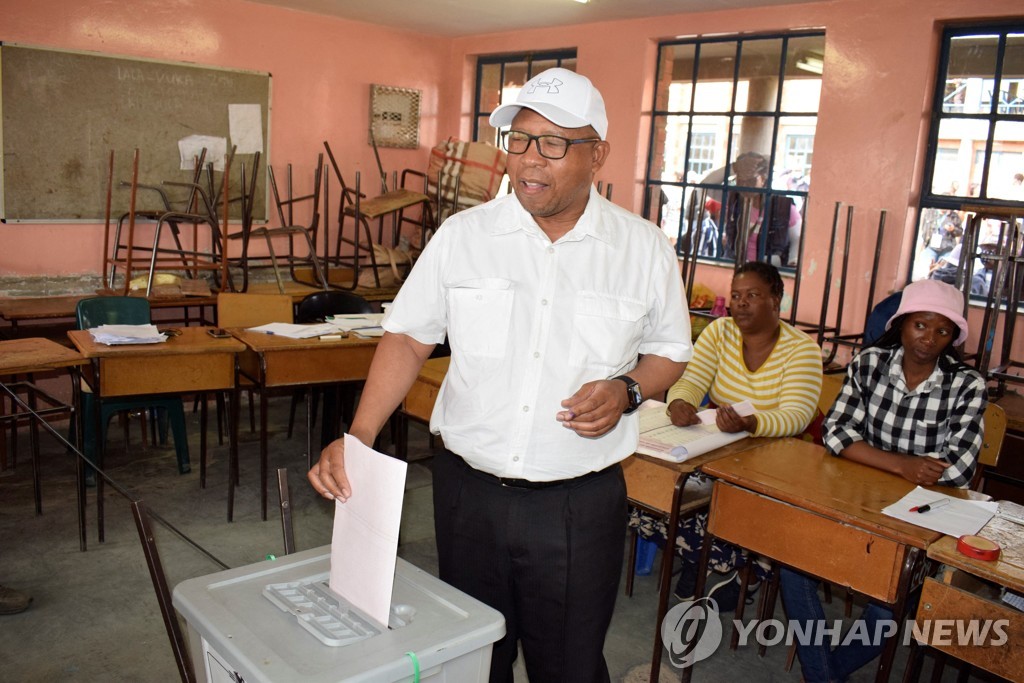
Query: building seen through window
976,152
732,143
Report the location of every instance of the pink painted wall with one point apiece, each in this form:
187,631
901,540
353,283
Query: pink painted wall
322,69
870,144
869,148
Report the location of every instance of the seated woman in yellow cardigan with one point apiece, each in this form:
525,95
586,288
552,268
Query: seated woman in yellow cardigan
750,355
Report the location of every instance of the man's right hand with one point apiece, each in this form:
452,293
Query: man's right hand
682,413
328,474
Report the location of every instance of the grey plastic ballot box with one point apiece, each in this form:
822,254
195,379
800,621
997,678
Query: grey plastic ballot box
236,633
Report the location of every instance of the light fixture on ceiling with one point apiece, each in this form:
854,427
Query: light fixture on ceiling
811,62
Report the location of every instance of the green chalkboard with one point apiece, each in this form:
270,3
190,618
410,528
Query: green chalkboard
63,113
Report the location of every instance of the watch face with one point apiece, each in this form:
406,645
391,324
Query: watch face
635,399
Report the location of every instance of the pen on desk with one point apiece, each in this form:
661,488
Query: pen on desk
930,506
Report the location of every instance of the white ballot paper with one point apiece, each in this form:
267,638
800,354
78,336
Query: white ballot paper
662,439
948,515
365,543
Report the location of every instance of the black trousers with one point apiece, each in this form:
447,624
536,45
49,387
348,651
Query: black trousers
548,559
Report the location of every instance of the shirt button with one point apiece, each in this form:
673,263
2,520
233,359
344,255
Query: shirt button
551,250
515,458
536,354
543,302
526,409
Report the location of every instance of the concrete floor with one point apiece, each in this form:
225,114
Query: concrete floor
95,616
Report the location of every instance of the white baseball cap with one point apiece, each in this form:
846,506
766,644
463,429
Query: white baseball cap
563,97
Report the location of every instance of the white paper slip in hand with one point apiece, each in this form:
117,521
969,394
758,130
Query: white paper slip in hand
364,548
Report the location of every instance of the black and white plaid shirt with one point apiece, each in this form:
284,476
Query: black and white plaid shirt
941,417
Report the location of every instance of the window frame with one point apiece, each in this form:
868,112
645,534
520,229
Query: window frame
937,154
653,185
560,56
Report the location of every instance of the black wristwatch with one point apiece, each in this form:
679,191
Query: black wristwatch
632,393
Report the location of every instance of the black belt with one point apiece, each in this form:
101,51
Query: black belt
507,482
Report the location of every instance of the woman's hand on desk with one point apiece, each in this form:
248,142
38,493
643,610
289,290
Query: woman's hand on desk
328,474
729,421
682,413
917,469
921,469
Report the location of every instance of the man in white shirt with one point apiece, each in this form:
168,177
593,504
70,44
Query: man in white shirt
549,297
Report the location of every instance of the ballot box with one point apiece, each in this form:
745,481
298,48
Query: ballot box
277,621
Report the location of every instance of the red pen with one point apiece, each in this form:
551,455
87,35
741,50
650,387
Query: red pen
930,506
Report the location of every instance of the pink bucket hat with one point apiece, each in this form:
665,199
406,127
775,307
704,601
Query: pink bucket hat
933,296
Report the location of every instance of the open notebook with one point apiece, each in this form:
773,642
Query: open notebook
662,439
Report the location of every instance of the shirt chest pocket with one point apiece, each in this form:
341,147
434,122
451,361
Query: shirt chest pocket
606,331
479,315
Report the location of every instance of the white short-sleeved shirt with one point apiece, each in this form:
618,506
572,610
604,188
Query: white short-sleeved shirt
529,322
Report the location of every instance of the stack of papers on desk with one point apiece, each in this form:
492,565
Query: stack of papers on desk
363,324
127,334
662,439
293,331
954,516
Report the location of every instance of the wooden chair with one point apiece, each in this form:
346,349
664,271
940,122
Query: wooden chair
339,399
251,310
988,456
198,207
235,309
356,209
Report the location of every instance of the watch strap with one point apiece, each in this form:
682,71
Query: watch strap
632,393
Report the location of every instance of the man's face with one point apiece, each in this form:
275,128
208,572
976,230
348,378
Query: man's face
554,191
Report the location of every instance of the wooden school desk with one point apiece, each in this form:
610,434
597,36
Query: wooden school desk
33,355
271,361
418,404
50,310
657,486
953,598
192,362
791,501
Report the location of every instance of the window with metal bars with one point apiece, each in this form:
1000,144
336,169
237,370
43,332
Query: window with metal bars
975,159
731,141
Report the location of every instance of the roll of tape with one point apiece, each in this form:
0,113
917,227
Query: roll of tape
977,547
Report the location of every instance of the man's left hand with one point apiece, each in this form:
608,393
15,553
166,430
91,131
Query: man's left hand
595,409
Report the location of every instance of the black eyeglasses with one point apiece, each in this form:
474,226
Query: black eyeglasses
549,146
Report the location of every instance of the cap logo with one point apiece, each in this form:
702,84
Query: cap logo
551,86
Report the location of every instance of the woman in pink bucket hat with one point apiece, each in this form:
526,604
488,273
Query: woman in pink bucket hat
908,406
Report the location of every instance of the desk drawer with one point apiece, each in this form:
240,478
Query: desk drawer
419,402
837,552
134,375
317,366
940,601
